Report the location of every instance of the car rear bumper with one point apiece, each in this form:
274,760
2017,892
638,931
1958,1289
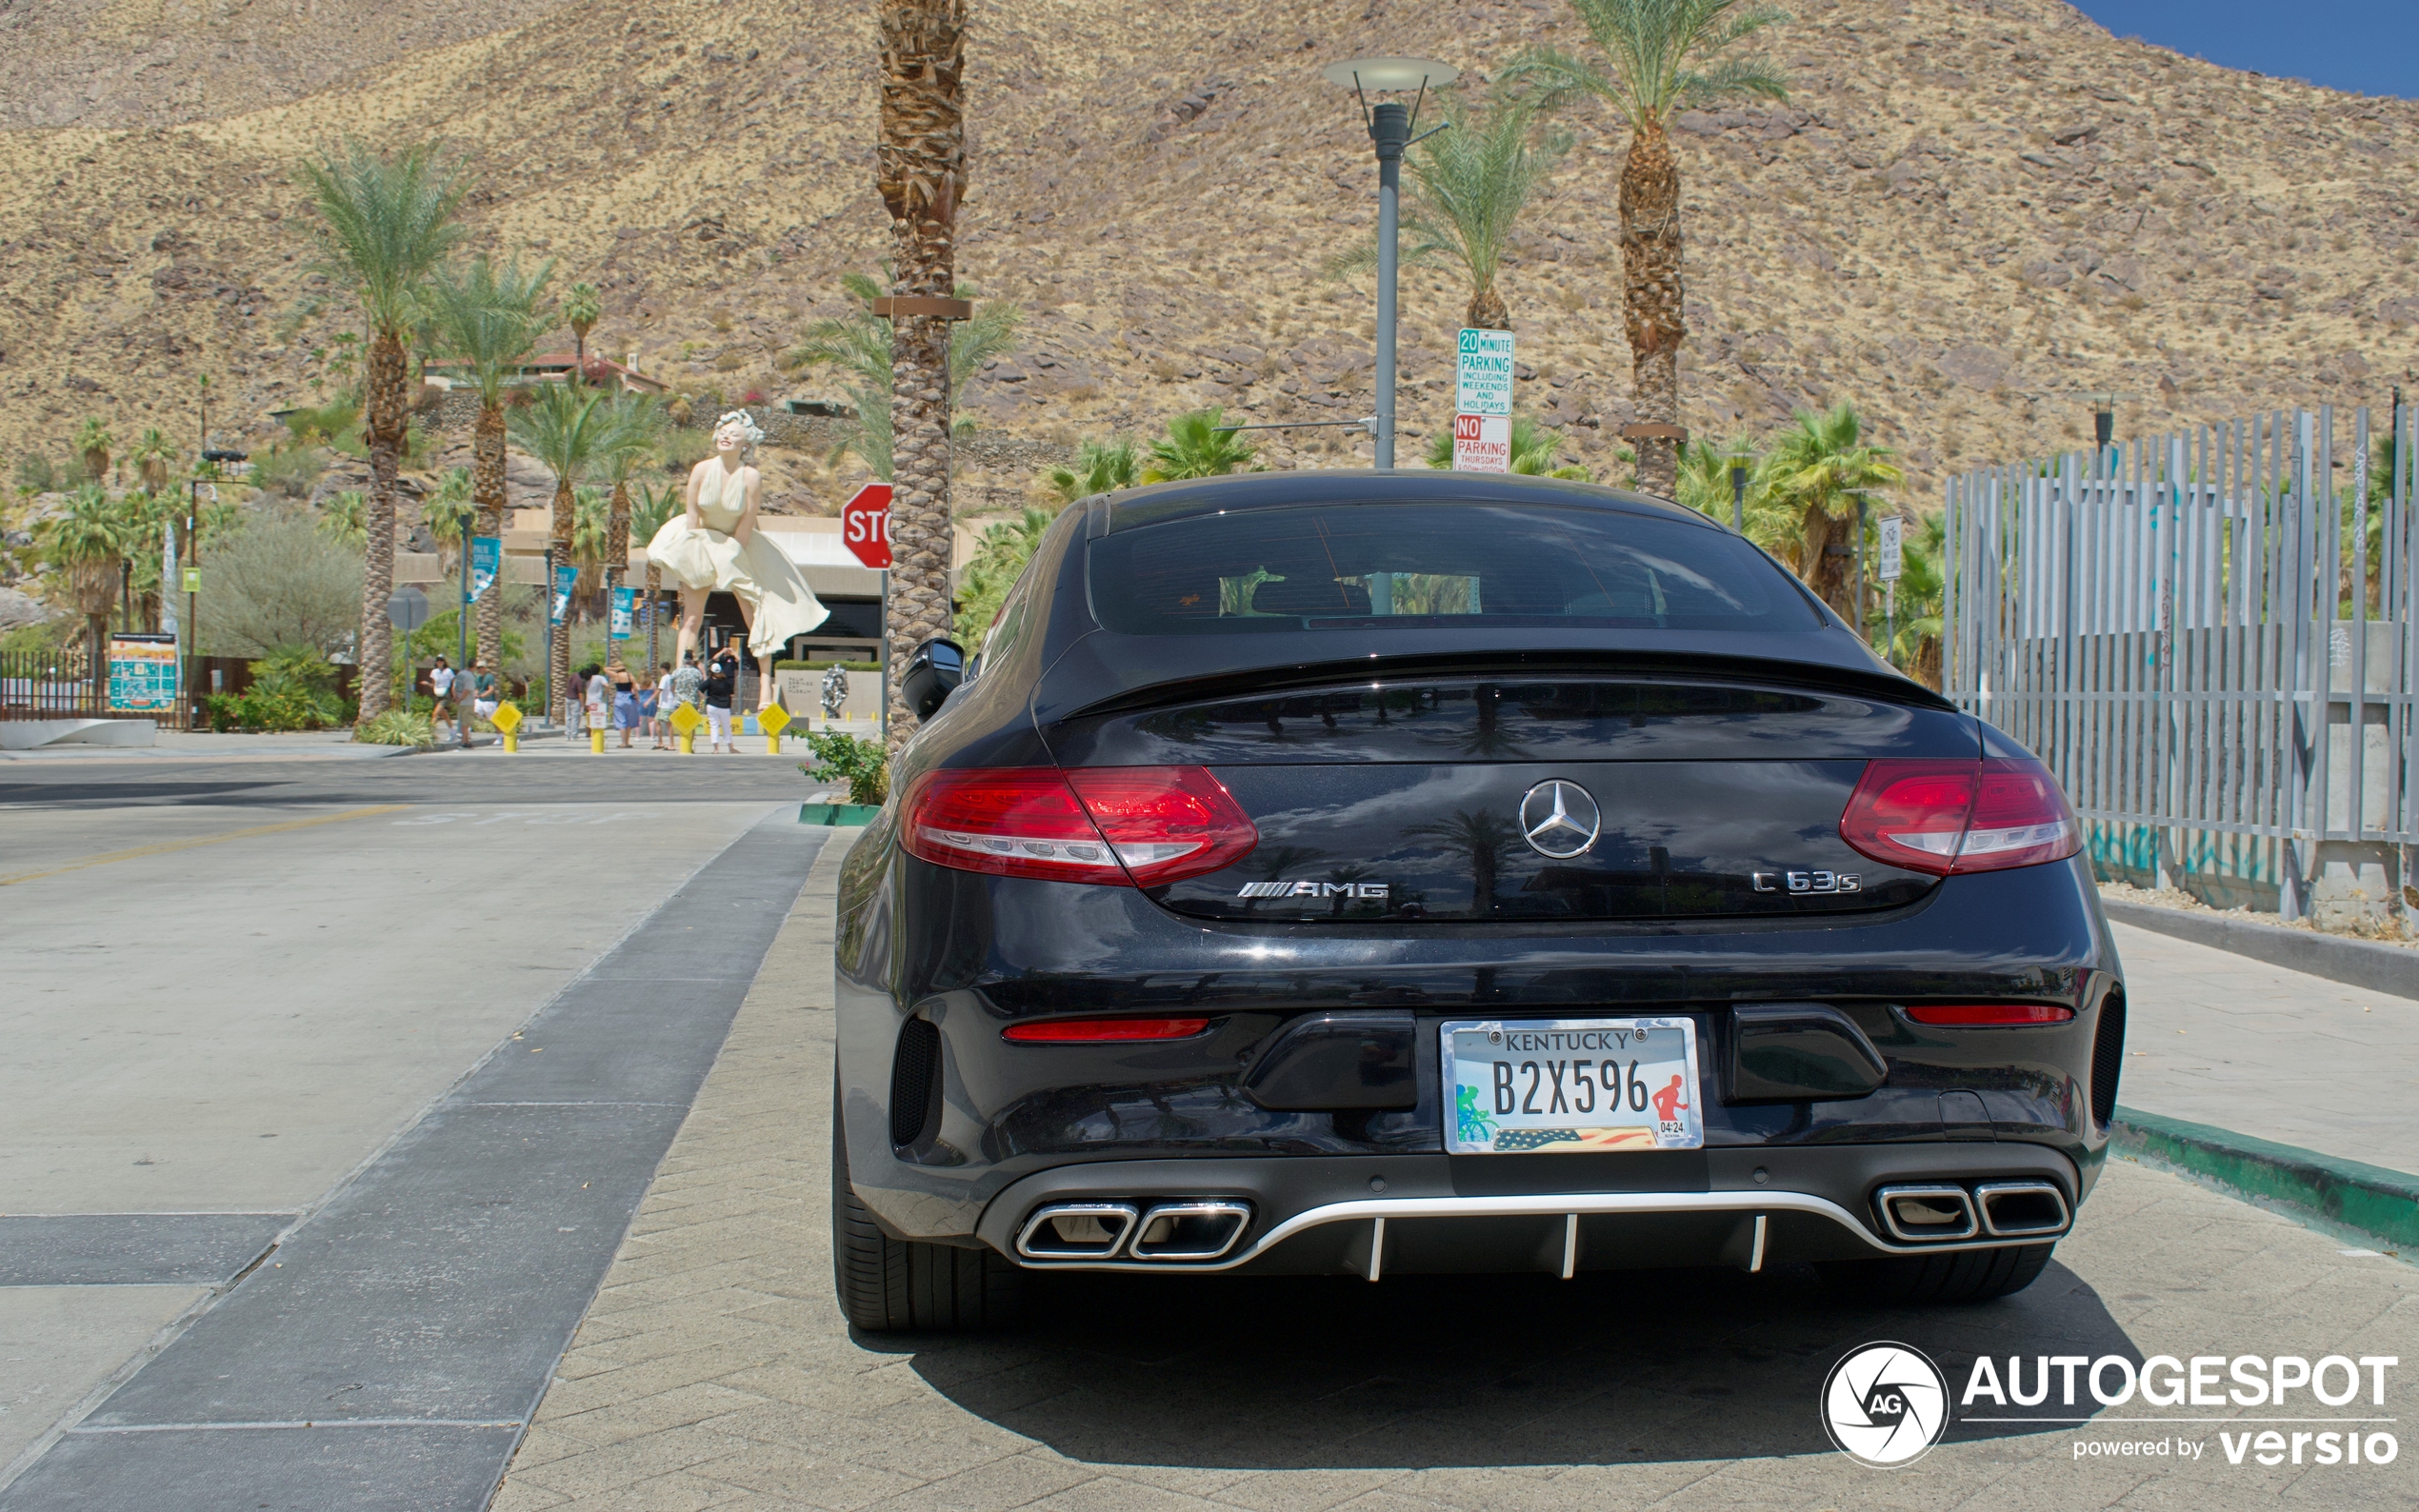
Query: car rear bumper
1372,1215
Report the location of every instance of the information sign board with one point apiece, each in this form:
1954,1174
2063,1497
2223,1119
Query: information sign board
1483,373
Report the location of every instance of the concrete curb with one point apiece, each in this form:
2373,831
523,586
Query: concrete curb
2355,962
2366,1200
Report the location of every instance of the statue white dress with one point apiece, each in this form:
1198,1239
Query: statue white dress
714,547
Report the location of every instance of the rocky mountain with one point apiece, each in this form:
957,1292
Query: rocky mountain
1967,212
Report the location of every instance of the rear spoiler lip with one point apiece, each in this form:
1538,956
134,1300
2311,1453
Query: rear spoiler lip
1520,666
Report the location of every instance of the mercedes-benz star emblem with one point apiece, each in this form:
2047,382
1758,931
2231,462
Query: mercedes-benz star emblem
1559,819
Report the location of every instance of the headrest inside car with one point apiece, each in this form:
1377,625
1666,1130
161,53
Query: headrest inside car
1305,593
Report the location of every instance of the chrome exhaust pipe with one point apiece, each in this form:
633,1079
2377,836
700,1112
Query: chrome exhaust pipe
1189,1231
2022,1209
1077,1231
1927,1215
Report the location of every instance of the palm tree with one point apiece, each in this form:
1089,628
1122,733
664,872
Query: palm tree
636,429
919,169
655,505
998,558
1471,181
859,345
1822,468
155,458
581,312
89,540
385,226
1196,447
565,427
441,510
346,517
1916,645
1663,54
94,443
1101,467
489,319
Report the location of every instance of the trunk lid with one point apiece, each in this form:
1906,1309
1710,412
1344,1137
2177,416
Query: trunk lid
1418,801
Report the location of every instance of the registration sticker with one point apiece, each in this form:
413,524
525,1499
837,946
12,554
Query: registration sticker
1570,1085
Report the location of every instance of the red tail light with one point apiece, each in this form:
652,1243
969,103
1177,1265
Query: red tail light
1119,825
1103,1031
1960,816
1989,1015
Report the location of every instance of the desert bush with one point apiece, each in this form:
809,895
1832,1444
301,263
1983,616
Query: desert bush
289,471
293,688
845,758
397,728
278,582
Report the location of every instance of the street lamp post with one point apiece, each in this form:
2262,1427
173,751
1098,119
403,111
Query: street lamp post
1390,125
462,615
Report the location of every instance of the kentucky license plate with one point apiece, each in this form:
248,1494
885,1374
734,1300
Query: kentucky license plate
1571,1084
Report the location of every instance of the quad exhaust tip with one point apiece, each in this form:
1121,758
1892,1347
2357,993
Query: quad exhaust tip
1944,1214
2022,1209
1170,1232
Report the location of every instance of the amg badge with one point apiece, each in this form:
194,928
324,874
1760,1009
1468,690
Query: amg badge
1371,890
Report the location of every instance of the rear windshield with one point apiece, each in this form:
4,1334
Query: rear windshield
1410,566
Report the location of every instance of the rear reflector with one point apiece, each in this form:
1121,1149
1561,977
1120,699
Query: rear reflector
1103,1031
1960,816
1121,825
1989,1015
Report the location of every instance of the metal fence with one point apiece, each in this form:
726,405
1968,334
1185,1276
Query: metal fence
57,684
2211,637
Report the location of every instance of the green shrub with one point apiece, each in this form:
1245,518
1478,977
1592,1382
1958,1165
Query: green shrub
845,758
292,689
397,728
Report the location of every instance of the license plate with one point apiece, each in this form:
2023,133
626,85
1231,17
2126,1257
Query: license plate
1571,1085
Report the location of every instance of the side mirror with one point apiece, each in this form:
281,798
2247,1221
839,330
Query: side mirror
932,673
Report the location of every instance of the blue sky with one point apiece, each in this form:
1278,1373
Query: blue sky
2371,46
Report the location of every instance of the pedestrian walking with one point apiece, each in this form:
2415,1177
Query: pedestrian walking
466,693
440,693
646,695
483,699
625,701
596,697
722,680
687,686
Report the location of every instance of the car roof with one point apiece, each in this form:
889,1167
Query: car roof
1157,504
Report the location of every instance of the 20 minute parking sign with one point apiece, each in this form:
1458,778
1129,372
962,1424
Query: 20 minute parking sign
1482,373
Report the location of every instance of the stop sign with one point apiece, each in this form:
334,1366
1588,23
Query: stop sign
865,525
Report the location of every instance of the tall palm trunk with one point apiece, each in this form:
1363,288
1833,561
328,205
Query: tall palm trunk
1652,298
920,170
1823,558
558,666
486,492
387,409
616,555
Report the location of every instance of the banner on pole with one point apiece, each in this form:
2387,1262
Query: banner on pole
625,613
566,578
1482,443
486,559
1483,373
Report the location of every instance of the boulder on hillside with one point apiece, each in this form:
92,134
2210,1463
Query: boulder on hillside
19,609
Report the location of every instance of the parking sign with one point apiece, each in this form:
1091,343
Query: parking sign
1482,373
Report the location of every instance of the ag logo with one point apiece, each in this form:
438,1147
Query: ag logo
1885,1405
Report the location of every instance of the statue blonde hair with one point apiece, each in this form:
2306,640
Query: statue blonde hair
740,421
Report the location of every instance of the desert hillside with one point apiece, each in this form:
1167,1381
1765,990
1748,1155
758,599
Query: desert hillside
1965,213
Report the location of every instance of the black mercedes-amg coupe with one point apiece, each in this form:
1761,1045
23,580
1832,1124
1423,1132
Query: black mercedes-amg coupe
1396,872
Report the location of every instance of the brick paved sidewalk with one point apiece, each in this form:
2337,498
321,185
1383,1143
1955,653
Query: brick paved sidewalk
714,1370
2239,1044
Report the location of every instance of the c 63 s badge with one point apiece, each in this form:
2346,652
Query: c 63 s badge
1808,882
1368,891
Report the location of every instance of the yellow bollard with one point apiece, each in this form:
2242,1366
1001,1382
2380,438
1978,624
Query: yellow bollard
773,720
689,742
512,743
597,739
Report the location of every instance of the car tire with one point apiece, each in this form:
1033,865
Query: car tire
1958,1276
896,1286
